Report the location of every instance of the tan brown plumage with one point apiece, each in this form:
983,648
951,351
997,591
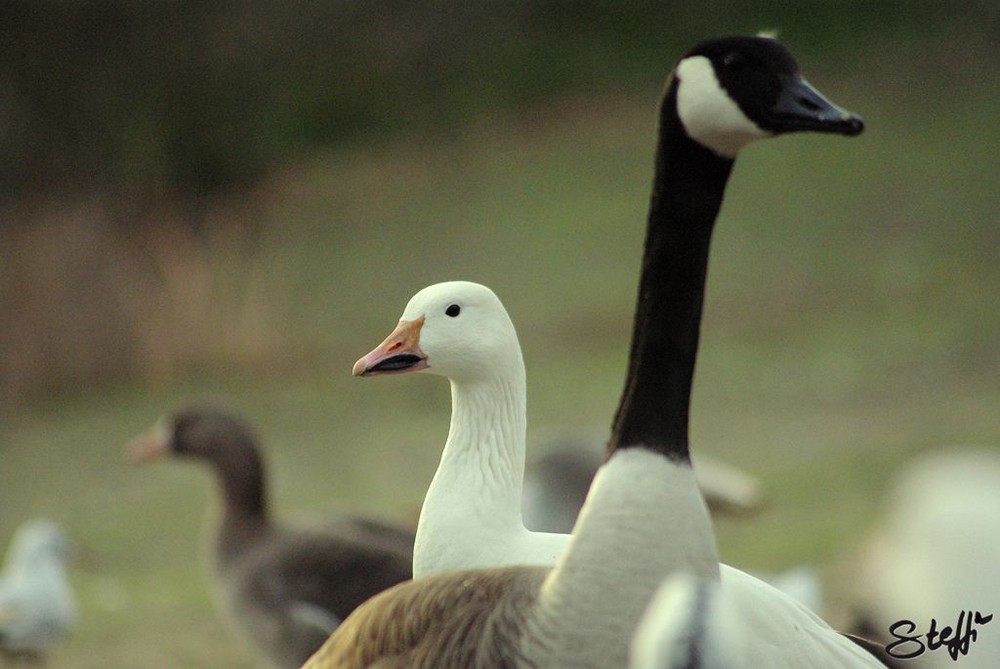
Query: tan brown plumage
469,617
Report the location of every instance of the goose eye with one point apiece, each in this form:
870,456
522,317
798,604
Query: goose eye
453,310
733,59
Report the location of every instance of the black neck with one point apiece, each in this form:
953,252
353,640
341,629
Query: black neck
688,187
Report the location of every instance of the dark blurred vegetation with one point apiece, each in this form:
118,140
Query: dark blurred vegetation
135,136
188,98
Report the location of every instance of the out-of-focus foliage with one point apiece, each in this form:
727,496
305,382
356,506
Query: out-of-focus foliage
142,144
187,98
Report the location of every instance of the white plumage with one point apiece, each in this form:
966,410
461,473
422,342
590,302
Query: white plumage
37,608
689,621
935,553
471,516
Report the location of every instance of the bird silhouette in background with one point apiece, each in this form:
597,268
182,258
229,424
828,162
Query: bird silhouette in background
37,608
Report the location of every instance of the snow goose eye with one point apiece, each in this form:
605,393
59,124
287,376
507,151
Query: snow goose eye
453,310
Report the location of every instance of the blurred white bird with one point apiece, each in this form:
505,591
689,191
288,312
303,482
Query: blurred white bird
37,608
802,582
690,622
935,555
698,623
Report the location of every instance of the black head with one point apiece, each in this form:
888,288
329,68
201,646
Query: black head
762,94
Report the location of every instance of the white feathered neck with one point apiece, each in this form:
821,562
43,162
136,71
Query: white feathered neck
471,516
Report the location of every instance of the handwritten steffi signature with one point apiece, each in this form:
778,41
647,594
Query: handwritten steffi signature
957,640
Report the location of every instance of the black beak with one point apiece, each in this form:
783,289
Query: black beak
395,363
801,107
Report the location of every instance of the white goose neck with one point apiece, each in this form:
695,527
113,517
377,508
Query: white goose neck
487,433
476,491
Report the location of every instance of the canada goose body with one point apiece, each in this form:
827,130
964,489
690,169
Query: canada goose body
644,518
286,589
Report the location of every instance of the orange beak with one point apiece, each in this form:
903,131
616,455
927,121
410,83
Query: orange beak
399,352
148,446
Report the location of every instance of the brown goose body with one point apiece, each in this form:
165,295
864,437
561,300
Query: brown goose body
291,588
416,624
285,589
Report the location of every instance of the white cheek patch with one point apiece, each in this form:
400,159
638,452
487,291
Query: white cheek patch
709,115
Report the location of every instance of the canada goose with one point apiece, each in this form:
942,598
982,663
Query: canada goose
37,607
556,484
644,518
285,589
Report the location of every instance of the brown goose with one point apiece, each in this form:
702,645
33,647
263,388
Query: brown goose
285,589
644,518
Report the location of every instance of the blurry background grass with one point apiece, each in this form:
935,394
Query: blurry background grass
851,318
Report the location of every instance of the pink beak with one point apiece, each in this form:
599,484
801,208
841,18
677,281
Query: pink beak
398,353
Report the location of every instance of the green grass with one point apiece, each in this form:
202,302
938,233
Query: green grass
851,320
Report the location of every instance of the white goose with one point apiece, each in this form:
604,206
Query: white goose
471,516
644,518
